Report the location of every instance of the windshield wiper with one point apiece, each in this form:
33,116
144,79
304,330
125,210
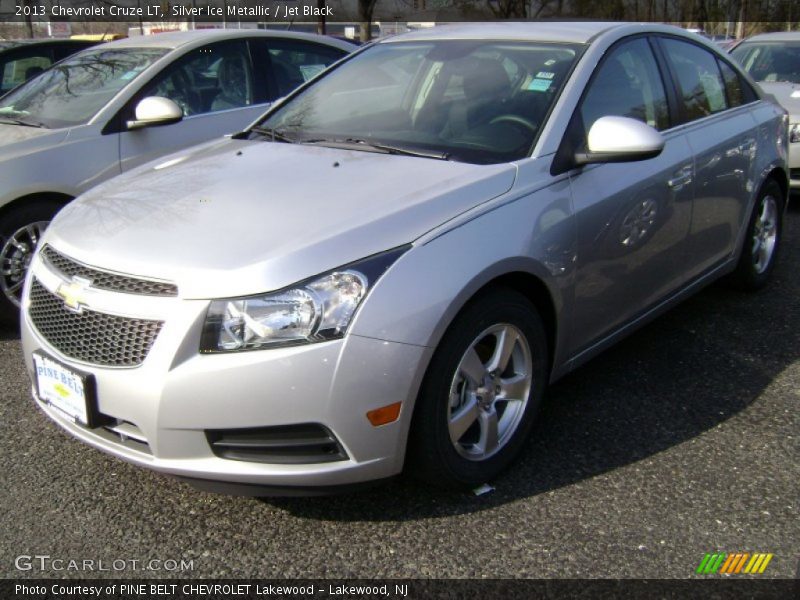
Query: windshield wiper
275,135
401,150
12,121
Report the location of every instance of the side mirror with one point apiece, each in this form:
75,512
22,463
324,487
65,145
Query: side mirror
155,111
620,139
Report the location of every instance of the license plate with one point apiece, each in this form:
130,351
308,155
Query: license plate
65,389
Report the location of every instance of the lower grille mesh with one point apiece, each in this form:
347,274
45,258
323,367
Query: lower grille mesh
90,336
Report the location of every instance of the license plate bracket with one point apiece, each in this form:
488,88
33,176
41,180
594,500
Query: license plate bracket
70,391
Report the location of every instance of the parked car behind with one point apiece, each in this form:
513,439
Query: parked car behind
118,105
773,60
22,60
388,269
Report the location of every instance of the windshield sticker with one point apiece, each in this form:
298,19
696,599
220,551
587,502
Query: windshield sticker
310,71
545,75
539,85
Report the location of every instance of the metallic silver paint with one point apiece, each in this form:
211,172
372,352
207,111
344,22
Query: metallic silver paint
283,213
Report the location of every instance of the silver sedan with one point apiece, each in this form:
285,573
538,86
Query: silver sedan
387,270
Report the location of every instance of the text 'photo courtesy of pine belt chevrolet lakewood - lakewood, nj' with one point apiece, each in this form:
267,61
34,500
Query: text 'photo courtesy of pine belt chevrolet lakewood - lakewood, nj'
384,272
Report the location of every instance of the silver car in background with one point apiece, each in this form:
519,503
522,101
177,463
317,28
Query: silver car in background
118,105
387,270
773,60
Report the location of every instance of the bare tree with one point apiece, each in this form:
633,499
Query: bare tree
365,10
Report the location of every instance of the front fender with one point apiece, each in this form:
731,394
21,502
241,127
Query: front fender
417,299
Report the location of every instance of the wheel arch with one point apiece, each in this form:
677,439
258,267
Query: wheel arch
529,278
59,197
781,176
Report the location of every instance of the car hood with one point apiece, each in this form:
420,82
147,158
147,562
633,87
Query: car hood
242,217
19,139
787,94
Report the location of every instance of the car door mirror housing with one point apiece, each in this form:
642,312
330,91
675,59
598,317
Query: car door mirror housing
155,111
620,139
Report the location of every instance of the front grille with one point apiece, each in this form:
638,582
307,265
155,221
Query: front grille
90,336
107,281
794,173
285,444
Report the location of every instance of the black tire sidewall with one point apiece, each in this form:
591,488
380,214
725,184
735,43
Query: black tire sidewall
432,454
12,221
746,276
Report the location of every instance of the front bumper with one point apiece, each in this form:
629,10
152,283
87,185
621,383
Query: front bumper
167,404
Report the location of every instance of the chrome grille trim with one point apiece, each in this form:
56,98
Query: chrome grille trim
88,336
105,280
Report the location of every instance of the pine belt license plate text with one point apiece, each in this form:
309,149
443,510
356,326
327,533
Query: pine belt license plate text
62,388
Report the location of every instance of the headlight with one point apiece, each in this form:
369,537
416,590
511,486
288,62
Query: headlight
794,133
313,311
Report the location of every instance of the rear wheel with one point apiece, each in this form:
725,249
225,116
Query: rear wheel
762,241
20,232
481,392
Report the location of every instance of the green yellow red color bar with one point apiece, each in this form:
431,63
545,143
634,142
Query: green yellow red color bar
732,563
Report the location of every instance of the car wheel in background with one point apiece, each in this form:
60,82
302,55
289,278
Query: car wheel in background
20,231
481,392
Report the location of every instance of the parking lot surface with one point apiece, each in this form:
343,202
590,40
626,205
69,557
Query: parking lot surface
681,440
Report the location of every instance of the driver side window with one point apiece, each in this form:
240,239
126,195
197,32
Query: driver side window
627,84
208,79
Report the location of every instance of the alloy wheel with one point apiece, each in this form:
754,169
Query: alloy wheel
15,258
765,234
489,392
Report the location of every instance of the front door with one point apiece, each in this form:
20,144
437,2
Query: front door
217,88
633,218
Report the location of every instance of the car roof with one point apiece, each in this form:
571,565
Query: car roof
574,32
552,31
778,36
178,39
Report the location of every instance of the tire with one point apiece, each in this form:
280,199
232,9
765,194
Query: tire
762,240
450,443
20,230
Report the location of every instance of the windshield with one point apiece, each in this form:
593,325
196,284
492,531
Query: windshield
474,101
773,61
73,91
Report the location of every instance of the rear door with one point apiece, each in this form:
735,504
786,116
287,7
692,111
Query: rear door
632,218
722,134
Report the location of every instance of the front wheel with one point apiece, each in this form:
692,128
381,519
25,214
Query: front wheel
762,241
481,392
20,232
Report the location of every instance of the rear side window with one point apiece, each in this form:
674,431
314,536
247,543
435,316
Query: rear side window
627,84
733,85
295,62
701,86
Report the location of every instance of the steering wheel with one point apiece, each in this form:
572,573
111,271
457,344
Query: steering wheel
517,120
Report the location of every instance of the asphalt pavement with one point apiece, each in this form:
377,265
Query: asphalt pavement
681,440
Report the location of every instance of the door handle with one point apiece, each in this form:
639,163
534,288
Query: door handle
682,178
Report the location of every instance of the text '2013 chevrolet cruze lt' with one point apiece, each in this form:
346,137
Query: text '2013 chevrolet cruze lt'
386,270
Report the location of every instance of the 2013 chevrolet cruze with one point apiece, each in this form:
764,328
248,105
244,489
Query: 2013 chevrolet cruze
388,268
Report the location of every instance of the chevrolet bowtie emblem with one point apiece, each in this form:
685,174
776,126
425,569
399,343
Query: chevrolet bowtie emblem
73,293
